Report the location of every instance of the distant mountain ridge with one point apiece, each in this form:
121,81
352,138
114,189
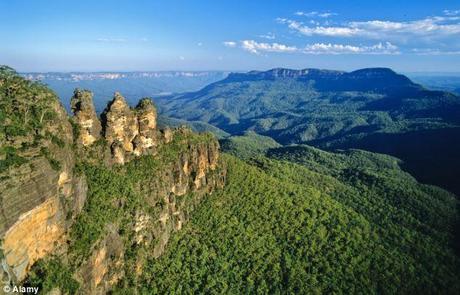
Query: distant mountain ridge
112,75
132,84
373,109
364,79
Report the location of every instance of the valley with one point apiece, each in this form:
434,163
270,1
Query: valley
118,200
373,109
229,147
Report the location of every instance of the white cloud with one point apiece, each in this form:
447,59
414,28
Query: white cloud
269,36
451,12
319,30
322,48
255,47
315,14
432,27
428,28
111,40
230,43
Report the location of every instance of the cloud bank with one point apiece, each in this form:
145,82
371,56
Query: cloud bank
255,47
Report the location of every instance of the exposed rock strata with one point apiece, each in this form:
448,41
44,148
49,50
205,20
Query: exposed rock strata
85,117
128,132
120,123
41,199
198,170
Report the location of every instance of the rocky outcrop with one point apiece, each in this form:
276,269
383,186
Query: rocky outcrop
104,268
128,132
42,194
120,127
85,117
147,138
194,171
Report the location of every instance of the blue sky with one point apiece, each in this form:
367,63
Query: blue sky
408,36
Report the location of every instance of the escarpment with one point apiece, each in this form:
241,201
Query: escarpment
93,199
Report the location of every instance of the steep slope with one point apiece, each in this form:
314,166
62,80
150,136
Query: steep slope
283,227
346,223
332,109
40,194
83,201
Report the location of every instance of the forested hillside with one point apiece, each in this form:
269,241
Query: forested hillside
306,221
374,109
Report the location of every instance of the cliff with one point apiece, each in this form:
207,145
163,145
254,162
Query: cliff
40,195
91,200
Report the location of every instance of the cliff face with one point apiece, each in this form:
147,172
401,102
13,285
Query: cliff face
167,197
174,169
40,194
54,193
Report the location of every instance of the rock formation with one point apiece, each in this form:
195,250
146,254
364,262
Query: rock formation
147,139
85,117
120,125
42,195
130,132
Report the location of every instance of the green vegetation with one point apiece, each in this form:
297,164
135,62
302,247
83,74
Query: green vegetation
10,158
28,119
50,274
291,219
196,126
248,145
111,199
115,196
319,106
307,221
371,109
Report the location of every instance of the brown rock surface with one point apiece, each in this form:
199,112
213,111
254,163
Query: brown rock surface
85,117
120,123
147,139
33,236
39,197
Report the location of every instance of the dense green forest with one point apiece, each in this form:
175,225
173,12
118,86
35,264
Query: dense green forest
27,114
301,220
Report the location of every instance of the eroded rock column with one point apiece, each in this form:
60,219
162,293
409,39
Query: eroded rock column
85,117
120,127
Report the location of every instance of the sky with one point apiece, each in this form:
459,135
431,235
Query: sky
230,35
